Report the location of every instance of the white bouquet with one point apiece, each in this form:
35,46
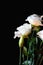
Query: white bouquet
32,33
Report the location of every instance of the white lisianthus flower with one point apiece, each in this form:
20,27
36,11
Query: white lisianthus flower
34,20
23,30
40,34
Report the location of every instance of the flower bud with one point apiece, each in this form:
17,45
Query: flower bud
25,51
21,41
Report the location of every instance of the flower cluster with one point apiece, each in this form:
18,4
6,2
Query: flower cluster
24,30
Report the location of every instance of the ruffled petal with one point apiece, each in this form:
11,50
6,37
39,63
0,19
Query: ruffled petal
40,34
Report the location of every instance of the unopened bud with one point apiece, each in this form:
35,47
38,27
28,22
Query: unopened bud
21,41
25,51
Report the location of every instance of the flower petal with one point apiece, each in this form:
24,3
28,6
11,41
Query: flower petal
40,34
34,20
17,34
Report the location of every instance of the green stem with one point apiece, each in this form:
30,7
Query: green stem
38,59
41,60
20,57
32,54
27,59
23,57
41,43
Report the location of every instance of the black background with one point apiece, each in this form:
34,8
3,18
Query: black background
17,13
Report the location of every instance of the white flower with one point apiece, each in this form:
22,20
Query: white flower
40,34
34,20
24,29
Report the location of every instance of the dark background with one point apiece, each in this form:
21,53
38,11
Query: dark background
17,13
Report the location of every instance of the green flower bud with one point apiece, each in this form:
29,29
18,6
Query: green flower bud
25,51
21,41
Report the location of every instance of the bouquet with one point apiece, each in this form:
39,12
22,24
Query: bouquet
30,40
